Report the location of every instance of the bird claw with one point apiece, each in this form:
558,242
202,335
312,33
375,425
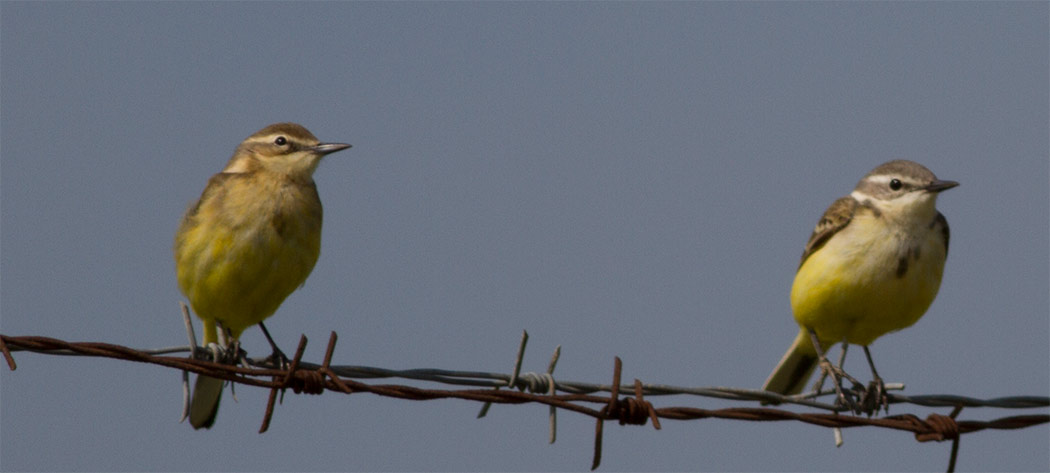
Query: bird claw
857,398
874,398
217,353
842,399
278,359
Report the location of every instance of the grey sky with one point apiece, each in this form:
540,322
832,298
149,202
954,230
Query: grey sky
622,179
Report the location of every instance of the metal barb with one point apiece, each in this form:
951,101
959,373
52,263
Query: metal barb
7,356
605,412
326,370
955,441
284,383
189,325
551,390
514,376
639,394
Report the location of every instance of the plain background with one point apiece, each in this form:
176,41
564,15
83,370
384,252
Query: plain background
631,179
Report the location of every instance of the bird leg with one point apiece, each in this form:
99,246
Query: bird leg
819,385
230,353
836,373
277,357
875,397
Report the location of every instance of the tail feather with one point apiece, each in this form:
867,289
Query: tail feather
793,371
207,392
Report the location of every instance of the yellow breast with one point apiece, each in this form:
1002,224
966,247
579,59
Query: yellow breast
247,247
855,288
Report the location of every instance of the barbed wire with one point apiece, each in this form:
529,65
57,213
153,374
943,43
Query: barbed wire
542,388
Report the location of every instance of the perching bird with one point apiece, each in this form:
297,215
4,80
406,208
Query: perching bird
251,239
873,265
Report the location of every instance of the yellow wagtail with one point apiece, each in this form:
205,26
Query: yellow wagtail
873,265
250,240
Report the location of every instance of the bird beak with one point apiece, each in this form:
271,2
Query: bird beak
329,148
938,186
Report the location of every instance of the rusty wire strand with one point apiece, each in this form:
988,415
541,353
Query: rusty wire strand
303,377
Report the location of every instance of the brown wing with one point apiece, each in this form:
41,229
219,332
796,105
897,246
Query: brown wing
216,185
834,219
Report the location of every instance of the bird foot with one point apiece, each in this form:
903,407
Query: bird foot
848,398
874,398
278,359
220,354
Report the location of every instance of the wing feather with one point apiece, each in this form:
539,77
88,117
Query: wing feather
835,218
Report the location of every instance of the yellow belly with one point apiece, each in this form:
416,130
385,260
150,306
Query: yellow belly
850,288
238,260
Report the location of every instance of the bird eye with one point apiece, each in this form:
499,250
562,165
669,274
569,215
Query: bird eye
895,184
280,141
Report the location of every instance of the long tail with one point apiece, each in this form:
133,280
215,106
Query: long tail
795,368
207,391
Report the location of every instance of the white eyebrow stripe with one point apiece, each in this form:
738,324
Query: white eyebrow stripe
860,196
266,139
886,178
879,179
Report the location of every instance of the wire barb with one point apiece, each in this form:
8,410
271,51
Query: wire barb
285,382
600,423
553,413
7,355
514,376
